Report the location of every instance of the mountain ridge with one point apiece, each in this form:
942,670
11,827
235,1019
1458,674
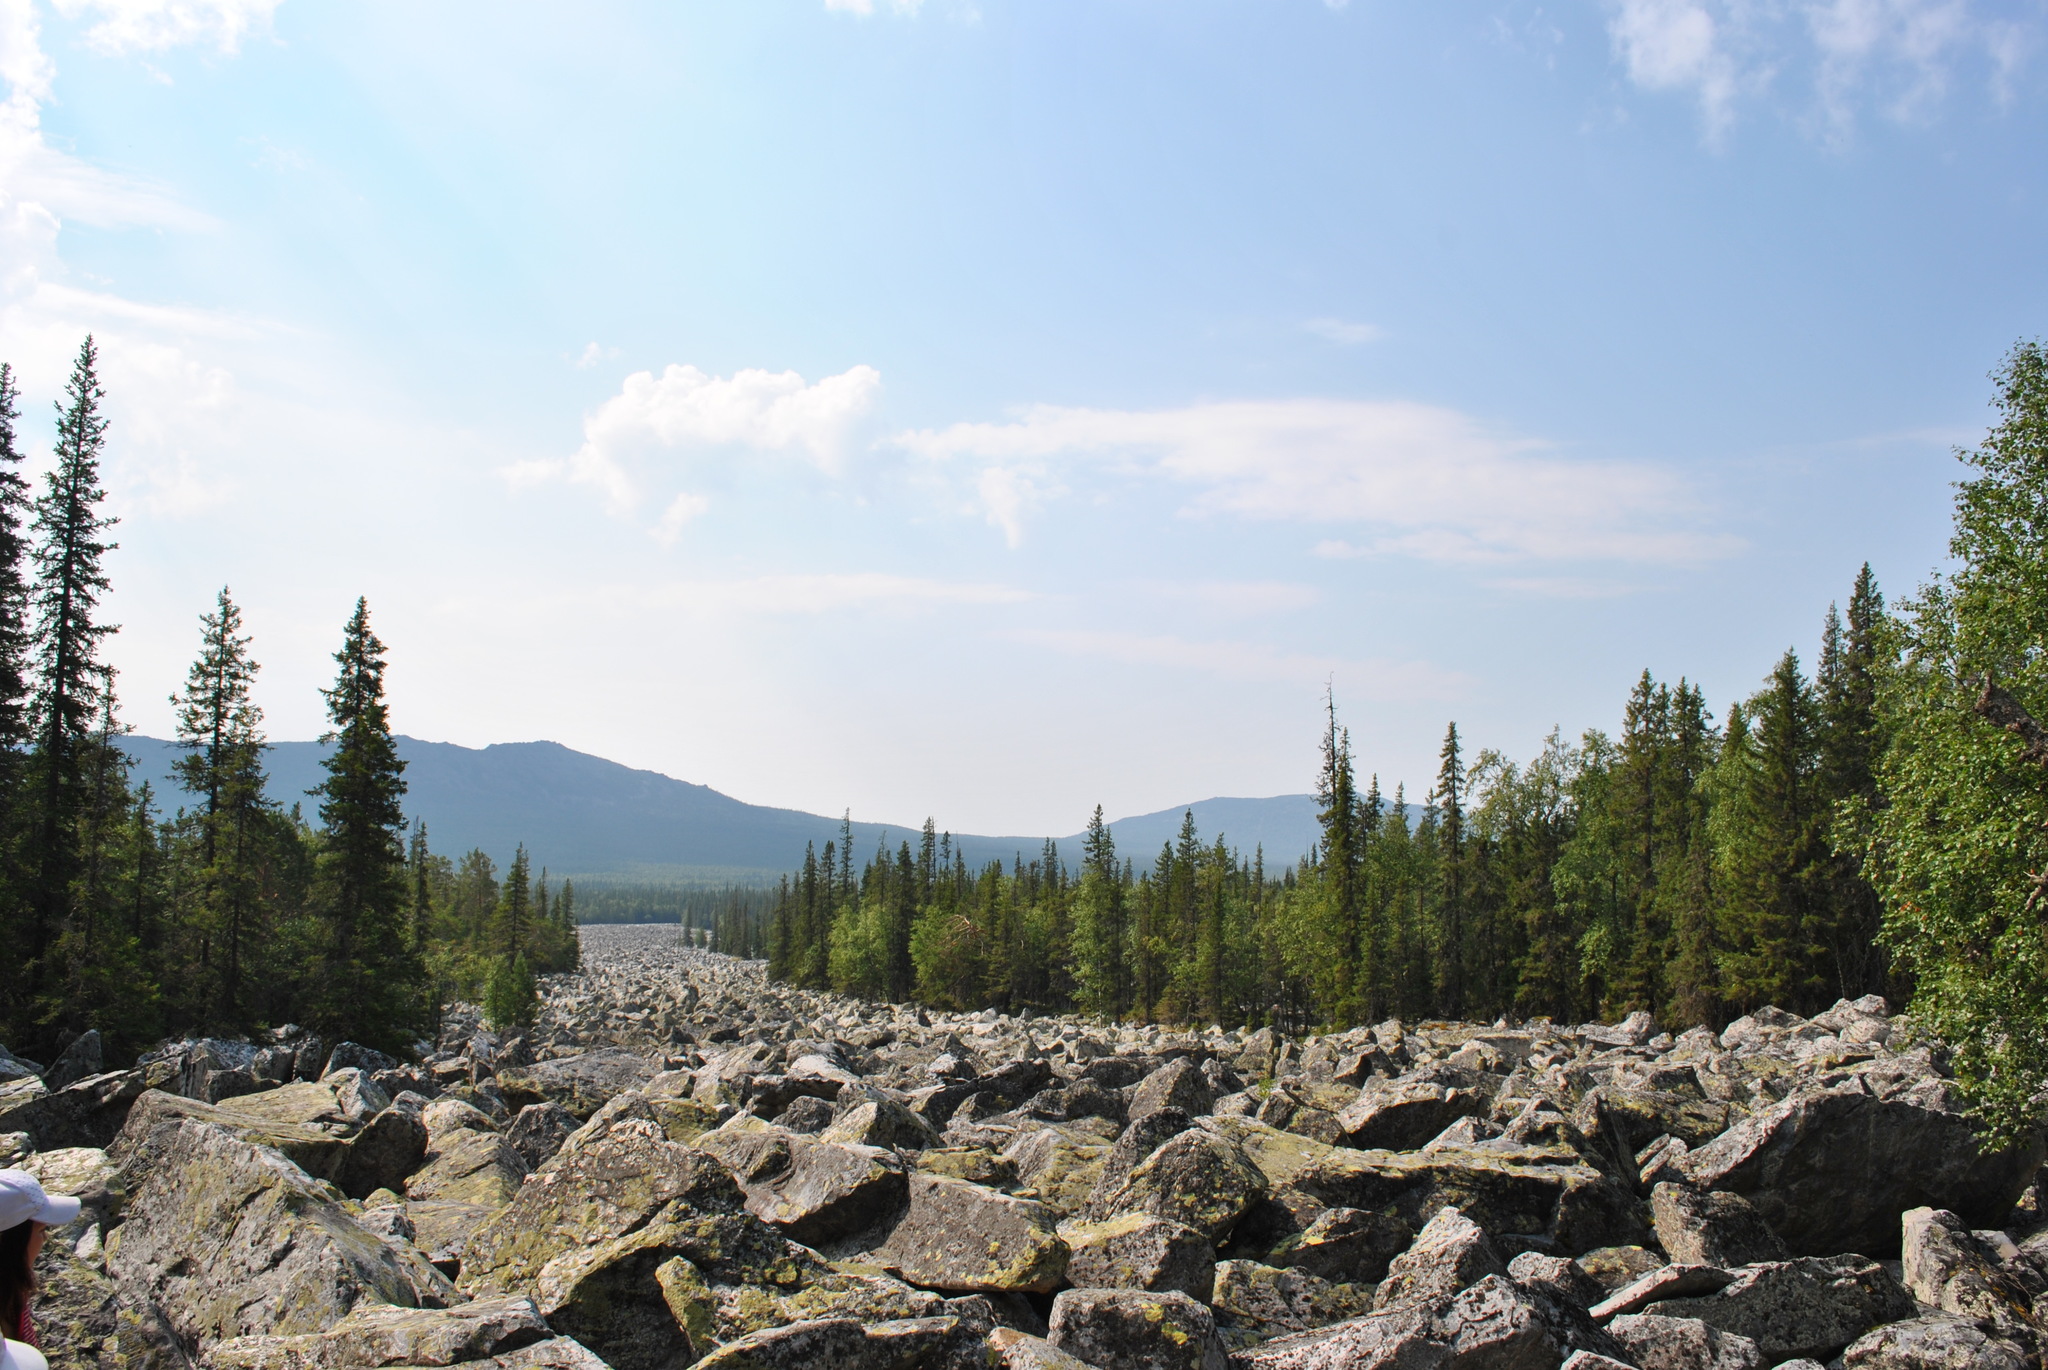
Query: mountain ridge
590,817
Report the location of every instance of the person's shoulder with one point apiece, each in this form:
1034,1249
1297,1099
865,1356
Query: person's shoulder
17,1355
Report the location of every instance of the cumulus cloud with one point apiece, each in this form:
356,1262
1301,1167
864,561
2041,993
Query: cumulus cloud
126,26
1900,56
1412,479
686,409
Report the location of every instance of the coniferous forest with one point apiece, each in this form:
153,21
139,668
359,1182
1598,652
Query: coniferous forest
223,908
1876,822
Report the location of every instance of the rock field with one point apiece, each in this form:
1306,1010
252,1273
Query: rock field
683,1164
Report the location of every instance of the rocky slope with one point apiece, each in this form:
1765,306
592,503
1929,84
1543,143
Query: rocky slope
684,1164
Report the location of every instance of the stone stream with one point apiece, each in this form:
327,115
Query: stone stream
685,1164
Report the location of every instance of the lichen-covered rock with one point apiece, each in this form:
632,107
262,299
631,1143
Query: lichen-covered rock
1814,1306
469,1167
966,1237
1178,1085
539,1130
1451,1253
228,1239
1615,1268
1660,1343
1400,1115
1145,1134
1714,1228
1831,1170
1947,1266
86,1113
1199,1179
1060,1165
380,1335
832,1191
389,1147
1345,1245
1938,1341
881,1122
1558,1278
582,1084
1016,1350
1134,1329
1262,1301
1139,1251
86,1321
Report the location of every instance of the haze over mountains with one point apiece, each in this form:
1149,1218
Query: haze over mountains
584,816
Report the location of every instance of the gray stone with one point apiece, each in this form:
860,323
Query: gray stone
1450,1254
1831,1170
1938,1341
1139,1251
1402,1115
89,1112
968,1238
1265,1301
1813,1306
1133,1329
1556,1277
832,1191
228,1239
1348,1245
1593,1360
389,1148
82,1058
581,1084
1654,1342
539,1130
1145,1134
1949,1267
1665,1282
1198,1178
469,1167
1016,1350
881,1122
806,1114
375,1334
1177,1084
1715,1228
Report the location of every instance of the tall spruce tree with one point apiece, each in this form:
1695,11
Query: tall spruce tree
371,983
1449,802
220,731
1101,961
1342,855
70,680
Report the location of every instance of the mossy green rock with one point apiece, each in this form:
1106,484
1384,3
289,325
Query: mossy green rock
968,1238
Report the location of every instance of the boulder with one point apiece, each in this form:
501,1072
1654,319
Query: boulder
82,1058
1135,1329
610,1298
84,1319
1016,1350
1178,1085
1558,1278
1660,1343
1145,1134
86,1113
1262,1301
1059,1165
314,1104
318,1153
965,1237
881,1122
376,1334
1493,1324
1401,1115
388,1149
1831,1170
1714,1228
1347,1245
581,1084
1665,1282
1814,1306
1937,1341
539,1130
1449,1254
832,1191
229,1238
469,1167
1199,1178
1139,1251
1949,1267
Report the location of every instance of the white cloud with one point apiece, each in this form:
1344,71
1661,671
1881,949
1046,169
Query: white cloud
684,408
1900,56
800,595
127,26
1345,334
866,8
1380,680
1245,598
592,354
1419,480
680,511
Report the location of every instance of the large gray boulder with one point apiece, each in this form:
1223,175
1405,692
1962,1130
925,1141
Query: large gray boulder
1400,1115
1938,1341
967,1238
582,1084
539,1130
376,1334
1659,1343
469,1166
1714,1228
89,1112
1831,1170
318,1152
831,1191
1814,1306
1949,1267
390,1147
1139,1251
1177,1084
1493,1325
1349,1245
1199,1179
230,1238
1262,1301
1451,1253
1135,1329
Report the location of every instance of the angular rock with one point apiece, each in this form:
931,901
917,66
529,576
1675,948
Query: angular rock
1177,1084
881,1122
1667,1282
1715,1228
1139,1251
1016,1350
1449,1254
320,1154
1345,1245
1198,1178
1558,1278
1132,1329
86,1113
807,1115
1938,1341
581,1084
1949,1267
964,1237
1831,1170
1661,1343
388,1149
229,1239
380,1335
1402,1115
539,1130
1060,1165
1263,1301
1617,1267
469,1167
1814,1306
832,1191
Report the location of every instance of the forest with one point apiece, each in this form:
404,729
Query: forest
1879,824
222,909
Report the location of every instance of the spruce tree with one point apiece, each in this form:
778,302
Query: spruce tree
219,728
1449,802
15,625
70,681
1100,964
371,984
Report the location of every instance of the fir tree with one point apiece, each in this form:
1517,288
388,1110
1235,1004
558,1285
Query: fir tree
1448,801
371,983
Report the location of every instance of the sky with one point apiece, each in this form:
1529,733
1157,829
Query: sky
994,409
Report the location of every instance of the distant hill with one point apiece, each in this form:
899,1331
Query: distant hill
584,816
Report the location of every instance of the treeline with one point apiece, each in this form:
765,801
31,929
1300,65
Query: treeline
735,916
1879,826
217,910
1692,868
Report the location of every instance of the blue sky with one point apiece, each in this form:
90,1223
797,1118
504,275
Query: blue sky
989,410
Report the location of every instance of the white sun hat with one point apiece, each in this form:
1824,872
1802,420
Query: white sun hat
16,1355
22,1200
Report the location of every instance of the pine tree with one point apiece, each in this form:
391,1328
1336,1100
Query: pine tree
220,730
371,985
15,627
1448,800
69,679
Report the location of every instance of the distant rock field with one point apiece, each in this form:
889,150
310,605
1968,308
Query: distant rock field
684,1164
